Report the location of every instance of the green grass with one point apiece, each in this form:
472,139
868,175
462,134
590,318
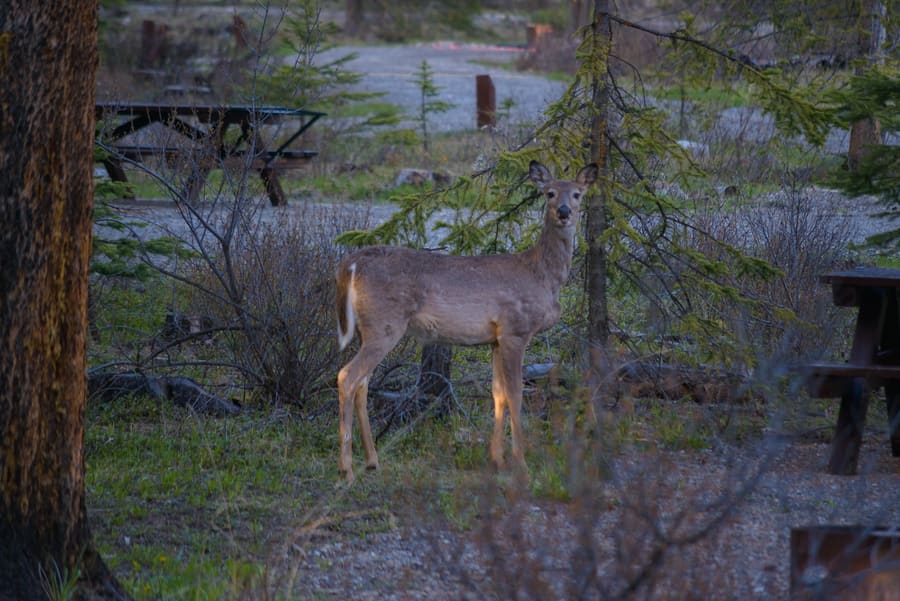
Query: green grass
184,506
179,500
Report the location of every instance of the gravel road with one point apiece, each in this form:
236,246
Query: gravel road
391,70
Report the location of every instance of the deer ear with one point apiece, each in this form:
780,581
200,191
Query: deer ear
539,175
587,175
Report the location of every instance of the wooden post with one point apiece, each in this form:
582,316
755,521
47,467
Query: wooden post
148,41
486,101
536,35
153,44
241,32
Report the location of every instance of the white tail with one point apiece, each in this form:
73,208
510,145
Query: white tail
502,300
346,327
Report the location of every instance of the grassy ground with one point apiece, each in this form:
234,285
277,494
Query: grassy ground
191,507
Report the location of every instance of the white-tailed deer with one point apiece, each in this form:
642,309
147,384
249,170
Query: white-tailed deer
502,300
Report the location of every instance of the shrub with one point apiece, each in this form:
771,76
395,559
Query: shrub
271,285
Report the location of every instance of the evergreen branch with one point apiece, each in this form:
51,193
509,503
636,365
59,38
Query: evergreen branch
741,59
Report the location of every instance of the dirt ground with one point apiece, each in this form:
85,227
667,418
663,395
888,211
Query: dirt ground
536,548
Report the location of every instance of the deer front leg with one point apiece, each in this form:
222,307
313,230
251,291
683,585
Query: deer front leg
511,353
498,390
507,389
360,400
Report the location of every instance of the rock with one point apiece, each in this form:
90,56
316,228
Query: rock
419,177
696,149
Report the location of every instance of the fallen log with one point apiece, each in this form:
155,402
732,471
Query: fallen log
653,379
183,391
701,384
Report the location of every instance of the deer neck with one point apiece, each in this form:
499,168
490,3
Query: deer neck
552,255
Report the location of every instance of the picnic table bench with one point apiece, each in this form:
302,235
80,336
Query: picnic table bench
874,361
202,138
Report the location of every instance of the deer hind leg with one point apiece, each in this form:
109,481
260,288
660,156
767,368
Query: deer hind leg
360,401
353,382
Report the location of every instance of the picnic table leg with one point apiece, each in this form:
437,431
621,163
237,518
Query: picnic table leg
196,180
890,339
848,433
892,399
273,187
114,170
117,174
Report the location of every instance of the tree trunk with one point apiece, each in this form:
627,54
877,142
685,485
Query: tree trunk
597,208
867,132
48,61
577,15
354,17
435,366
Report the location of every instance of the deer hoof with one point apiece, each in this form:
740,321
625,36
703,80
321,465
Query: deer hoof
520,474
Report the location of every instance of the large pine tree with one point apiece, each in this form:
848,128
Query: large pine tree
48,61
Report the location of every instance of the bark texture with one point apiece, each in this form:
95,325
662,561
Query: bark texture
48,60
866,133
354,17
597,206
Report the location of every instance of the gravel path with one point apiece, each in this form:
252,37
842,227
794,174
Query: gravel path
529,550
392,70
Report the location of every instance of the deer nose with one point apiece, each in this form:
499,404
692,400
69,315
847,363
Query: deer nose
563,212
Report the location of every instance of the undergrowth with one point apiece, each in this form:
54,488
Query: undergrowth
185,506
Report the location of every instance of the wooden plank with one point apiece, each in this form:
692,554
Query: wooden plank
848,370
874,277
137,153
291,159
827,380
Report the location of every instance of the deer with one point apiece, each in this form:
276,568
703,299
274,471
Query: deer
504,300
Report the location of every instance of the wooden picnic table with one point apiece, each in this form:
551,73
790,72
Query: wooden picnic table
202,137
874,361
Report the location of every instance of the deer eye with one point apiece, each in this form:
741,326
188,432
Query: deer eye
576,195
551,194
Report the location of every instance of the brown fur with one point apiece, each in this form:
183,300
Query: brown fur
502,300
